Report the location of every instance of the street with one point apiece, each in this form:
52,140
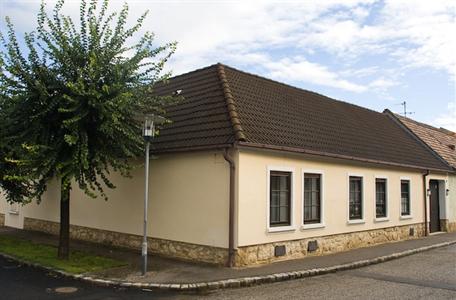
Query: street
427,275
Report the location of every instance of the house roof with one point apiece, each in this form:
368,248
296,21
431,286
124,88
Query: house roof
440,140
223,106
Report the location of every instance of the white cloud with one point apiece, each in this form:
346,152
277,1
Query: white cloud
382,83
301,70
428,27
283,36
361,72
448,119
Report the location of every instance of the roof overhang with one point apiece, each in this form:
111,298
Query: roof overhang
339,156
191,148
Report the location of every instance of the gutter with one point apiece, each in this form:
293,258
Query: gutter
332,155
426,229
157,150
231,251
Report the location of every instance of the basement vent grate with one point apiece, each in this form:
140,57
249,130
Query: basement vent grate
312,246
279,250
412,231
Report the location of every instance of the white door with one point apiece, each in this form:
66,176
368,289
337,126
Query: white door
14,216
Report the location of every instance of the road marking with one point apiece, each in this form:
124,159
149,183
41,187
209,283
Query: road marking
66,290
404,280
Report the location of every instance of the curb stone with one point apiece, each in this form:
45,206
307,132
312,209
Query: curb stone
233,282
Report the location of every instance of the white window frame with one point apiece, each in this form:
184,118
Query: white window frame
410,215
14,208
382,219
290,227
322,201
363,204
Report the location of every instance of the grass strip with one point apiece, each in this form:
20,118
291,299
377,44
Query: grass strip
46,255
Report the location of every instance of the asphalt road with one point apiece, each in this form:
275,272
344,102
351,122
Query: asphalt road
428,275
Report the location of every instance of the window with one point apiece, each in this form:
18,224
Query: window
356,198
405,197
279,198
14,208
380,198
312,198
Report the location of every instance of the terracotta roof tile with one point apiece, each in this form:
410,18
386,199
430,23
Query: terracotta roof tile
442,141
224,105
202,119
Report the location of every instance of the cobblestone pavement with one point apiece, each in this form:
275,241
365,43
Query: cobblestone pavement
427,275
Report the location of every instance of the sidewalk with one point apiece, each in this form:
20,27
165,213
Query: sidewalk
175,274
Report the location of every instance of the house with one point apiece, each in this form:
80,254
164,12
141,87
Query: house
254,171
442,143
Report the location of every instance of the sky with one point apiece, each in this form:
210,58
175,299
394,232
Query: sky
375,54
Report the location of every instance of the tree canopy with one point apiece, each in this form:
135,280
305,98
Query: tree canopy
69,97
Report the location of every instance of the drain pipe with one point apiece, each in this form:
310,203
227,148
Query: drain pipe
426,229
229,159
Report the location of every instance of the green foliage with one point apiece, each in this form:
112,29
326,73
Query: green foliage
68,106
79,262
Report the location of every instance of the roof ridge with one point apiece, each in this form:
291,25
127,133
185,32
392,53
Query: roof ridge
191,72
324,97
230,104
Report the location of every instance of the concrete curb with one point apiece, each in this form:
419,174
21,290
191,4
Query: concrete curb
235,282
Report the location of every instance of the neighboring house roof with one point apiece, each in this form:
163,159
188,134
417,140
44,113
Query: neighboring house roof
440,140
223,106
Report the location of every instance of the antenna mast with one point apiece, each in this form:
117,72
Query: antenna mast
404,104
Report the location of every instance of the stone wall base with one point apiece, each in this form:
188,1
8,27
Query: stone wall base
265,253
245,256
174,249
2,219
448,226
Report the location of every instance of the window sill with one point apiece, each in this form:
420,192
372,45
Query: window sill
312,226
356,221
281,228
384,219
12,212
405,217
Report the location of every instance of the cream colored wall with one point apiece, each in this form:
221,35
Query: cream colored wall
451,198
189,198
2,202
48,209
253,206
3,205
13,215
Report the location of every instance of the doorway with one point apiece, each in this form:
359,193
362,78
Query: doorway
434,206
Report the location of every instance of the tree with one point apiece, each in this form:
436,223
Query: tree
68,105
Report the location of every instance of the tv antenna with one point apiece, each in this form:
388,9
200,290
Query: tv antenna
404,104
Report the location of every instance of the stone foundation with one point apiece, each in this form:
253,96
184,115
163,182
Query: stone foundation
264,253
447,226
174,249
2,219
245,256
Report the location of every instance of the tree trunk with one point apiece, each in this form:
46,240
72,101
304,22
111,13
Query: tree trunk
64,239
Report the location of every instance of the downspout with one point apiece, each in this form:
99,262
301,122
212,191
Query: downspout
238,136
426,230
226,155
